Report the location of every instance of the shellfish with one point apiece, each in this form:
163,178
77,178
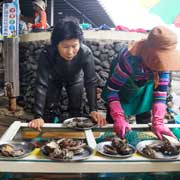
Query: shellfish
64,148
9,151
118,146
169,146
80,123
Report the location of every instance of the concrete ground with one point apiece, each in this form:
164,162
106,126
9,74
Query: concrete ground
7,117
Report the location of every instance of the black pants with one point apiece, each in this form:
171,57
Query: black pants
143,118
53,106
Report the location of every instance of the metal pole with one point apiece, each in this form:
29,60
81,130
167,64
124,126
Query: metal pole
52,12
77,10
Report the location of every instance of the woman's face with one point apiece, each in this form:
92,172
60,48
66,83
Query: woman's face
68,49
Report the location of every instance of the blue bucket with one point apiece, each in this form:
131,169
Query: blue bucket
177,119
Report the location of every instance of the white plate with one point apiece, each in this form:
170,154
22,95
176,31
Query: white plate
79,157
100,149
158,155
25,146
171,139
78,128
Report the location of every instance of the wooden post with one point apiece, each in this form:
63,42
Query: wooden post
11,59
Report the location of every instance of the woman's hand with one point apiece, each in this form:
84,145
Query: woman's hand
36,123
160,129
97,117
117,114
158,126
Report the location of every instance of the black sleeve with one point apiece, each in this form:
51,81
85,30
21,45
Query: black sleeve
90,79
41,85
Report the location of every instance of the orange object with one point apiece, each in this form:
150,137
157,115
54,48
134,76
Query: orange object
40,20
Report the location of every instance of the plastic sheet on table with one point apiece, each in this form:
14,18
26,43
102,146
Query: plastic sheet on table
133,137
106,136
176,132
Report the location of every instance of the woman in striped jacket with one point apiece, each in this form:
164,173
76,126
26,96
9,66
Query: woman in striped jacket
139,81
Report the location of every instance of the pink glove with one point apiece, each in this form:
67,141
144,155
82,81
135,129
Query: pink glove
158,111
117,114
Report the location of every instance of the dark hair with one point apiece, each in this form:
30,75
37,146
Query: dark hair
65,29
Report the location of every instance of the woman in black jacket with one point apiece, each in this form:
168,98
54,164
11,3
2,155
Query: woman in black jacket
65,63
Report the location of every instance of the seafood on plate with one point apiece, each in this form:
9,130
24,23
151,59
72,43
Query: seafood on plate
167,147
8,150
79,122
65,148
118,146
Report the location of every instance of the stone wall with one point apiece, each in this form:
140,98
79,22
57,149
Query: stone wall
104,52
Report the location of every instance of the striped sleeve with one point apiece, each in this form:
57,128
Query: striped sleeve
160,93
120,75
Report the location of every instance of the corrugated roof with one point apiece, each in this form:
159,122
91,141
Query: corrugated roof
87,11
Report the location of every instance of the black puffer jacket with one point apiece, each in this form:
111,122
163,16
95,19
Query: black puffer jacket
55,68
